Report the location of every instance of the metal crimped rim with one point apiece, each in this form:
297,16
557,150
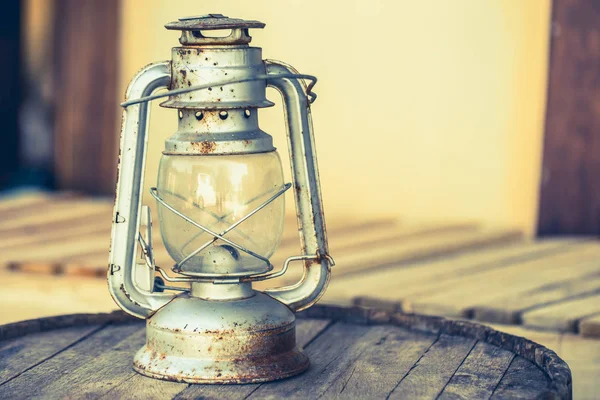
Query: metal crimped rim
547,360
213,24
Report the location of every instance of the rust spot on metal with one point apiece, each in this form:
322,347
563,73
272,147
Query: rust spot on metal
122,289
204,147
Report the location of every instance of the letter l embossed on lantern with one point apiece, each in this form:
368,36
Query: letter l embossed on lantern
221,211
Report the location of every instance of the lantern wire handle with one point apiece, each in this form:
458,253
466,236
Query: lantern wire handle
244,218
312,96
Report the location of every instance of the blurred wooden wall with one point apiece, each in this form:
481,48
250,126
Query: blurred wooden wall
570,183
86,54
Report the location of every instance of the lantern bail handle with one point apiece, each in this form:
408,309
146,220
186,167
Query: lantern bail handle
312,96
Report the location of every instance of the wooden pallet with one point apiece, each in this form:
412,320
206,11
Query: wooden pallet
455,269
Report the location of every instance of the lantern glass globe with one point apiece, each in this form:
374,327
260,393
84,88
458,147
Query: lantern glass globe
216,191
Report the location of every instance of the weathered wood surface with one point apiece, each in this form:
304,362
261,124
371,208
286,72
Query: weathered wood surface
453,269
405,264
355,353
580,353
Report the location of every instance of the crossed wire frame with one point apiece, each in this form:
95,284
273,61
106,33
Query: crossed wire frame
220,236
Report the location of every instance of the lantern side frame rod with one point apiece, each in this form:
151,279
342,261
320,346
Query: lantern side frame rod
128,202
309,207
235,225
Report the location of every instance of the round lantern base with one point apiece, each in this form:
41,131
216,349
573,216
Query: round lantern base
238,341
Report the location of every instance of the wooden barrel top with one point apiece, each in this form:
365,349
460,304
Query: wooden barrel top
354,352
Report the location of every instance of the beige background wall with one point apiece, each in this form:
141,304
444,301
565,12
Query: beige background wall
427,110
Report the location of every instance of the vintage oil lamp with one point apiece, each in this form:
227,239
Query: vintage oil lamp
221,212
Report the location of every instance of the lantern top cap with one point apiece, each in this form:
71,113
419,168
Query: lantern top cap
212,22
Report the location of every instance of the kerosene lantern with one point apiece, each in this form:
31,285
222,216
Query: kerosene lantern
221,212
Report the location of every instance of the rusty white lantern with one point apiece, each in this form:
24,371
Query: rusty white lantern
221,211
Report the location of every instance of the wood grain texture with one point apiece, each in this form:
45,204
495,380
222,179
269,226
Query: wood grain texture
329,355
520,373
461,296
563,316
570,195
411,249
58,378
508,309
22,353
435,368
479,374
349,360
388,287
377,371
540,356
590,326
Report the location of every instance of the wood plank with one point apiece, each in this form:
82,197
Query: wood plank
15,201
19,355
590,326
405,250
58,235
418,248
378,370
51,295
52,253
523,380
564,316
388,287
140,387
459,297
508,310
309,329
570,195
338,226
434,369
349,241
479,374
330,354
56,377
58,211
581,354
94,379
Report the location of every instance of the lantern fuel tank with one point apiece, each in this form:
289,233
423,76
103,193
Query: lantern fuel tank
220,202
